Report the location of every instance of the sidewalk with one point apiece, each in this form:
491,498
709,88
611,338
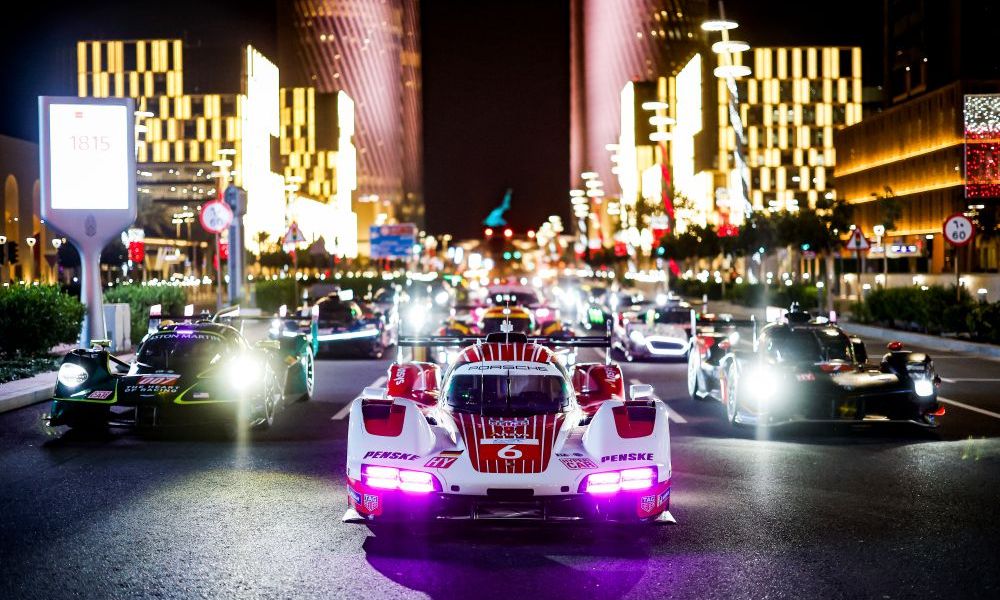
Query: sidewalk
922,340
24,392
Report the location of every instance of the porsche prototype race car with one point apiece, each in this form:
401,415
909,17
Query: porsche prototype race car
187,372
506,432
655,332
346,327
806,369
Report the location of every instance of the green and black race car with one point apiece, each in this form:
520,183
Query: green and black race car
188,373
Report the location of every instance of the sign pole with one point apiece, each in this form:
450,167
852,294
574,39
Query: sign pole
91,292
218,273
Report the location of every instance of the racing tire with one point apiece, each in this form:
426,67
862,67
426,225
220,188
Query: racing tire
692,376
732,397
271,401
310,374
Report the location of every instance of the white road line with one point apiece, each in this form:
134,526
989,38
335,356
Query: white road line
672,414
971,379
346,409
983,411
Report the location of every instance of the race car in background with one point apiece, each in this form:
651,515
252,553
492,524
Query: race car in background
188,371
807,369
506,432
346,327
655,331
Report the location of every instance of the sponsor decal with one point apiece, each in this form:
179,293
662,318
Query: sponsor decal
199,395
100,394
507,367
158,379
509,445
390,455
441,462
627,456
151,389
575,464
370,502
805,377
648,503
355,496
663,497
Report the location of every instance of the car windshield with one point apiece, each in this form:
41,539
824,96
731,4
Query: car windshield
336,312
515,395
669,317
519,325
514,298
807,345
178,350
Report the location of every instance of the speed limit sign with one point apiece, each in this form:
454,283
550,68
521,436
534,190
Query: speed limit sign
958,229
216,216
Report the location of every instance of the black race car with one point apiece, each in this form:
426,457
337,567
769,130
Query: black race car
345,326
200,372
806,369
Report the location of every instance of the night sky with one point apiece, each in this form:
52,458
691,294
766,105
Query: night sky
496,80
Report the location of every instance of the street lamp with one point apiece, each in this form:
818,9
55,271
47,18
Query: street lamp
879,233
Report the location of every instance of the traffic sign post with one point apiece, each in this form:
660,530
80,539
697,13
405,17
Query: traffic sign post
215,217
857,242
87,184
958,230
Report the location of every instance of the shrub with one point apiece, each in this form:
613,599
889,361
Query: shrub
272,293
759,295
33,319
141,297
934,310
984,322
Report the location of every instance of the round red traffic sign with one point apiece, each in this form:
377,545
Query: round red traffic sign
958,229
215,216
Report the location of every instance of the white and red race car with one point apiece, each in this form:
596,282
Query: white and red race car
508,433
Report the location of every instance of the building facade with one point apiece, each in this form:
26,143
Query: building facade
276,144
790,107
369,49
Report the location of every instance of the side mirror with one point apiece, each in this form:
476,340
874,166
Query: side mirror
860,352
268,345
640,390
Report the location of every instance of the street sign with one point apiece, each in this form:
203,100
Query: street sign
808,254
215,216
958,229
857,241
392,241
87,184
293,235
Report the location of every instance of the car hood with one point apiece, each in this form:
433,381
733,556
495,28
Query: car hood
510,444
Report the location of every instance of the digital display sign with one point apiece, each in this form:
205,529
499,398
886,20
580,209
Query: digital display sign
89,153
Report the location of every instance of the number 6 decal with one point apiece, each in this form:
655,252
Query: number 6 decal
509,452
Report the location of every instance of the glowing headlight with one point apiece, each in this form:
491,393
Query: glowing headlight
637,337
242,372
761,384
923,387
72,374
441,297
416,317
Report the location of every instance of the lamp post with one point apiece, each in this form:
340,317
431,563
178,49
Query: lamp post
879,233
3,259
729,72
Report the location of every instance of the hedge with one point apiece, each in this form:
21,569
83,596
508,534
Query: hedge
745,294
272,293
936,309
140,297
35,318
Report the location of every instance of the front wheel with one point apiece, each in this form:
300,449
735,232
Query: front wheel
269,403
732,395
309,370
694,365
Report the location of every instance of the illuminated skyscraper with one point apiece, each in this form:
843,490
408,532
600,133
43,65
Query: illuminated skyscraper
613,42
371,50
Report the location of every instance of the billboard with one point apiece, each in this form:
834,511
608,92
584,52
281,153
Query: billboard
393,241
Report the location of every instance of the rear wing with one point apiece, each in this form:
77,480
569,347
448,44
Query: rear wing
711,323
451,341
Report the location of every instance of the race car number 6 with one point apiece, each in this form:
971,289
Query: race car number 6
509,452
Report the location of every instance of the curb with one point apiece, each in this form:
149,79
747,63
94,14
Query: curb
923,340
25,392
38,388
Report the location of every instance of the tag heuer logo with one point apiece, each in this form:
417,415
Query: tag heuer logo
647,503
371,502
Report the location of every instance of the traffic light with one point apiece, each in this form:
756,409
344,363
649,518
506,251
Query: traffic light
12,252
508,233
488,232
507,255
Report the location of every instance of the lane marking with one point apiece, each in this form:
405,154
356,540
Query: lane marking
346,409
672,414
983,411
970,379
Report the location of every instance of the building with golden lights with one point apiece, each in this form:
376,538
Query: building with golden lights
284,147
790,107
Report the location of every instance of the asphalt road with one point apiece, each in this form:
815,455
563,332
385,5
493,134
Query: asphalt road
807,512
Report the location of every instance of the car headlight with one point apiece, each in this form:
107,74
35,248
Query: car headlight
416,316
72,374
923,387
636,336
761,384
441,297
243,371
